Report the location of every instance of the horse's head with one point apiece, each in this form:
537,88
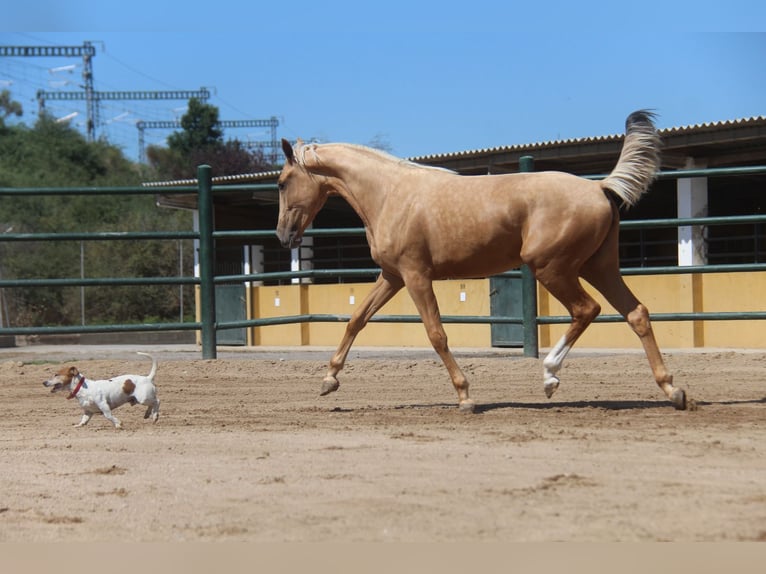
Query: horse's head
301,195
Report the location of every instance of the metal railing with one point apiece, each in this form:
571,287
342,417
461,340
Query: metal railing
206,236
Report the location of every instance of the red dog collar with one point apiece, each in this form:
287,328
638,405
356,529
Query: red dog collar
76,390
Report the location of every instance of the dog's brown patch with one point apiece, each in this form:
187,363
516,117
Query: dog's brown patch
128,387
67,374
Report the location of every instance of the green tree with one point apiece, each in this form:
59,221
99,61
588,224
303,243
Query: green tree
8,107
55,155
231,158
201,129
201,141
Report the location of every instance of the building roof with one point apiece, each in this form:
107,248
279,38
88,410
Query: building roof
664,133
711,144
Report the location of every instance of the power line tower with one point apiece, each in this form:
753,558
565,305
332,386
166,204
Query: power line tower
86,52
203,94
88,94
271,123
92,97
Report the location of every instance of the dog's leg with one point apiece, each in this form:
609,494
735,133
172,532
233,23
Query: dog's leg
107,412
153,411
84,420
113,419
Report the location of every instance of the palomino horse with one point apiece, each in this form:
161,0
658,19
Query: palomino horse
425,223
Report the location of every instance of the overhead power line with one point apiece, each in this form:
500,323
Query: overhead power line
86,52
272,123
202,94
93,97
87,49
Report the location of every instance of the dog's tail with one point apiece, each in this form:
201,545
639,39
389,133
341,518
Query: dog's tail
154,364
639,159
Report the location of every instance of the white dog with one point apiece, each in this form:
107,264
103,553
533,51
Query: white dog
105,395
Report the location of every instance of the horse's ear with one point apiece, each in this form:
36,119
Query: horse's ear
288,151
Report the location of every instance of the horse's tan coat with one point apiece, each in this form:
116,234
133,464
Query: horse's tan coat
425,224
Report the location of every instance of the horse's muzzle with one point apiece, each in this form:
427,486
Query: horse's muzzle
292,242
289,229
291,239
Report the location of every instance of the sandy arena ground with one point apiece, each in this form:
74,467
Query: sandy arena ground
246,450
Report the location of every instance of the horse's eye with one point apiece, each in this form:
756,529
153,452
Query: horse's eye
281,185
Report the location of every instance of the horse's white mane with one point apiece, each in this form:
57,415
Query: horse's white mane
301,150
314,148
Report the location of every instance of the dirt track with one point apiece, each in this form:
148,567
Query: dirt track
245,449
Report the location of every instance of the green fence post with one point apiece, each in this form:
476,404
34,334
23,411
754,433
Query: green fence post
529,289
206,261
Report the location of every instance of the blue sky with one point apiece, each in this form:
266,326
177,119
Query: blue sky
423,77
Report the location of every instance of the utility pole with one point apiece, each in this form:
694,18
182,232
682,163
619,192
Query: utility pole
272,123
88,93
93,97
91,107
86,52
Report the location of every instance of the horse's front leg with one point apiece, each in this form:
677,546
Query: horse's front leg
385,287
422,293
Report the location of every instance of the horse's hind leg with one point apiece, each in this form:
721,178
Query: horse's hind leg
565,286
621,298
385,287
605,276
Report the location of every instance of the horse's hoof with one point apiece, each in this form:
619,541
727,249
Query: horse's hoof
678,399
329,385
550,386
467,406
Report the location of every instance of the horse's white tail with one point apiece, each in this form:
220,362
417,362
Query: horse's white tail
154,364
639,160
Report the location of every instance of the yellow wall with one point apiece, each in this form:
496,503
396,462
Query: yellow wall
734,292
711,292
660,293
344,299
277,302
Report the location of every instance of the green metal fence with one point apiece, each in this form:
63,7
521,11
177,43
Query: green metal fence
208,325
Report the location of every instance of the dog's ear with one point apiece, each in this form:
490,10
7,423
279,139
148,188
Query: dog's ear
73,372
